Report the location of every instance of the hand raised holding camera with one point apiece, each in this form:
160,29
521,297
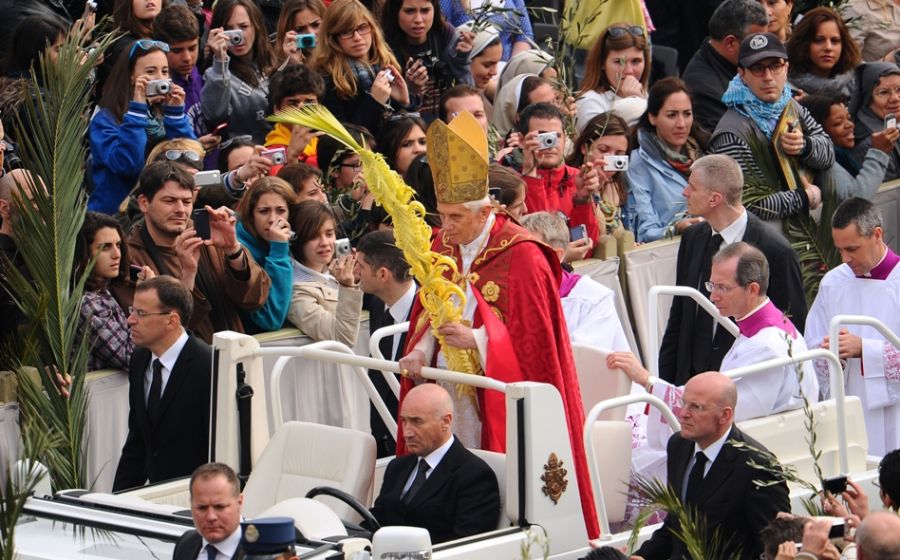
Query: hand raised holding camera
342,268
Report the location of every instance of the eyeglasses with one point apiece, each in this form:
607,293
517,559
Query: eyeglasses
140,313
616,32
693,408
356,167
721,288
242,138
175,155
775,68
363,29
886,92
146,45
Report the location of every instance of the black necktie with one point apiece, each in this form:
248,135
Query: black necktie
155,392
417,482
695,480
703,322
712,246
211,552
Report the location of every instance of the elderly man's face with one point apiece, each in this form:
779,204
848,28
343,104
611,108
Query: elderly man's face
766,78
459,224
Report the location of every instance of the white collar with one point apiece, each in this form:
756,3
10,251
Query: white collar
735,230
303,273
713,449
435,457
170,356
227,546
470,250
400,310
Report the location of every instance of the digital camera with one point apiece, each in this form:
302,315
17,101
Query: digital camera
234,37
278,156
547,140
208,178
306,41
158,87
342,247
615,163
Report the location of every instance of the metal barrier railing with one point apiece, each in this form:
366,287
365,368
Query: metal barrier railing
375,351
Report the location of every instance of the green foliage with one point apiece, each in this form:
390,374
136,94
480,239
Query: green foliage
701,541
51,130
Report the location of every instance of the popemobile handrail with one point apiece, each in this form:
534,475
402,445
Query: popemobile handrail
591,418
337,353
836,379
653,327
375,351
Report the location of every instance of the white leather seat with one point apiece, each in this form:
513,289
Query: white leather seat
301,456
598,382
612,451
313,519
497,462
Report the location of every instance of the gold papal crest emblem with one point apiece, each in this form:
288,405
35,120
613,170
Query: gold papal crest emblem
554,478
251,534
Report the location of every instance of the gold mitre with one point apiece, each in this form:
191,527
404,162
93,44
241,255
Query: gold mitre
458,156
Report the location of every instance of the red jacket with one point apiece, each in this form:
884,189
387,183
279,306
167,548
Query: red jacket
554,191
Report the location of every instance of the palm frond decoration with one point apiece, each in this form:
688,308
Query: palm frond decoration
701,541
51,130
813,243
442,299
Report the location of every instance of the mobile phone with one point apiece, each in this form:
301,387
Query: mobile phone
838,529
278,156
219,128
835,484
495,193
201,223
208,178
306,41
615,163
578,232
890,121
133,272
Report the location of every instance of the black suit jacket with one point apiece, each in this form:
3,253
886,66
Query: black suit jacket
460,498
732,503
188,547
679,359
179,442
378,318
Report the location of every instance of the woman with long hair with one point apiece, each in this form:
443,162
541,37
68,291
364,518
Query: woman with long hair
106,322
265,230
236,85
669,141
363,80
401,139
326,300
433,54
616,74
133,18
605,135
297,18
779,12
135,113
823,55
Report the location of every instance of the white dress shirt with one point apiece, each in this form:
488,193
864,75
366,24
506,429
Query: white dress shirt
225,548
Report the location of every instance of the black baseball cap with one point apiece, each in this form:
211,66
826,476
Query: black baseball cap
760,46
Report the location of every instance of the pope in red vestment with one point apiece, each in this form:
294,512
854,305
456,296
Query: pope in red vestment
515,281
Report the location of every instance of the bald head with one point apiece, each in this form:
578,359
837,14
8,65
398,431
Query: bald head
431,397
426,416
878,537
708,408
719,385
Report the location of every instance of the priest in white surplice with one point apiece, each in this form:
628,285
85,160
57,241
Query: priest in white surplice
738,283
868,283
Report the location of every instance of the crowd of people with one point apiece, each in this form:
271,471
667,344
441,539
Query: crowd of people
204,216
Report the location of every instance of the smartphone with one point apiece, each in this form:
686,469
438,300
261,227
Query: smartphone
201,223
133,272
838,529
835,484
218,130
578,232
208,178
890,121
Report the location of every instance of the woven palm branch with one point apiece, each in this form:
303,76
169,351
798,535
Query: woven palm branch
442,299
46,228
701,541
813,243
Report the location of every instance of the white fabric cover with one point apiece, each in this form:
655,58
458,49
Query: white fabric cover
301,456
612,452
648,265
497,462
606,272
598,382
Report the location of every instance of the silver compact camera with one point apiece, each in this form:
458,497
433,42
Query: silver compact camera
234,37
208,178
342,247
158,87
615,163
547,140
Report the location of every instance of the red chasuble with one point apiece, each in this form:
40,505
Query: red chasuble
516,281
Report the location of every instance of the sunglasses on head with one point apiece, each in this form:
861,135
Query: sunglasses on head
400,116
175,155
616,32
146,45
